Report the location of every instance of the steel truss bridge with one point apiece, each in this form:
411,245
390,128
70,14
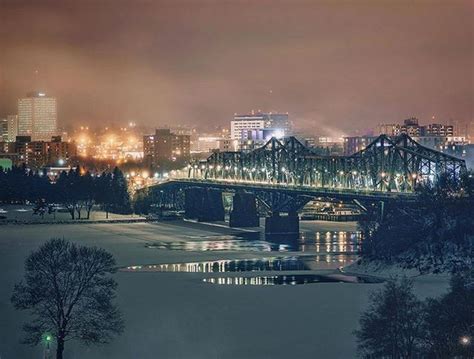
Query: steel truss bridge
283,176
386,165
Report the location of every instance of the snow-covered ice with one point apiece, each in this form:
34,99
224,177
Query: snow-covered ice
177,315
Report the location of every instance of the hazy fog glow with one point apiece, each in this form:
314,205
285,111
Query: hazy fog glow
341,65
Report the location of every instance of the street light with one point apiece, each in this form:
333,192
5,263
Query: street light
465,340
48,338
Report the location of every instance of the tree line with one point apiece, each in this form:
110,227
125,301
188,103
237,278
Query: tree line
76,190
399,325
435,233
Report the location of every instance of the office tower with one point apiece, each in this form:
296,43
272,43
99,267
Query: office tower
411,127
3,130
389,129
353,144
437,129
241,124
12,125
37,116
165,146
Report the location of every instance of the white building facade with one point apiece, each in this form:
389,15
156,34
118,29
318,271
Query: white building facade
242,124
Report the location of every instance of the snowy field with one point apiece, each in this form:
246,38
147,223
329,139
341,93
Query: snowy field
24,213
177,315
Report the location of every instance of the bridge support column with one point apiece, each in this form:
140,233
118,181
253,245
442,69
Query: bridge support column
382,211
244,211
205,205
287,225
192,200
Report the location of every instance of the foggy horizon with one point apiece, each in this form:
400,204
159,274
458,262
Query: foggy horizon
333,66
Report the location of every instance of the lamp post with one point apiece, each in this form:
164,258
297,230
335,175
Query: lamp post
47,351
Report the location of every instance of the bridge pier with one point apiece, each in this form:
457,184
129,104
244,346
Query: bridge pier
192,200
244,210
203,204
286,225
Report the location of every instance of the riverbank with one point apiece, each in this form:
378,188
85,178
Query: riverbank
426,285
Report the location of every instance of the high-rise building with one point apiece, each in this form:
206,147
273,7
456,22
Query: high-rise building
3,130
36,154
412,128
228,145
241,124
279,121
165,146
12,127
437,129
353,144
389,129
206,143
37,116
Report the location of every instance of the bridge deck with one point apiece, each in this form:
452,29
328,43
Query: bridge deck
348,194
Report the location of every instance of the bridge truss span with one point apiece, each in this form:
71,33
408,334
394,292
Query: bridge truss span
388,164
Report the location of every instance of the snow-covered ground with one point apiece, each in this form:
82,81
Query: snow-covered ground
24,213
177,315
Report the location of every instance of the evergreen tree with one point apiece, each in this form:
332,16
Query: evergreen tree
434,233
119,192
89,184
68,190
142,202
103,192
449,319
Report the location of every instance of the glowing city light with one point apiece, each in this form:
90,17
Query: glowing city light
279,134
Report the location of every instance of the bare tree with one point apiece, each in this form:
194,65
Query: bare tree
392,326
69,291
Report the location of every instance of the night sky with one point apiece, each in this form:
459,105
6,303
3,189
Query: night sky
333,65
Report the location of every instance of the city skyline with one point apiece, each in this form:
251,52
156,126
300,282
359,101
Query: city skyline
196,64
174,174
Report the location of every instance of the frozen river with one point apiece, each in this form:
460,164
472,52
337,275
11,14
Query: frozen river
173,304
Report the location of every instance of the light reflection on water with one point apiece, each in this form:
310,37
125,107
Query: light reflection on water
330,242
316,242
221,245
293,263
292,279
